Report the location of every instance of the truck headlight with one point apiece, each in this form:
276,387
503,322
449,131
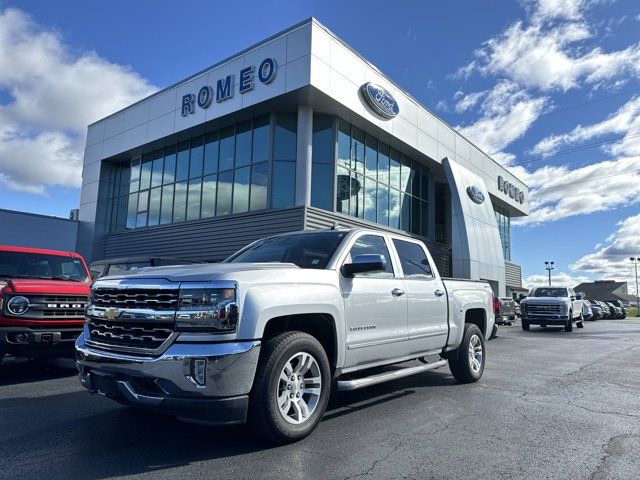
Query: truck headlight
207,309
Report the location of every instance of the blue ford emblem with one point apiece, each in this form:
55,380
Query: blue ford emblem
475,194
380,100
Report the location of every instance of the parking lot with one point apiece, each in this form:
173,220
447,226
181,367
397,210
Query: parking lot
550,405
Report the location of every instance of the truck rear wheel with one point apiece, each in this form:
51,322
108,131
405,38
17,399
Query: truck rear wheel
467,362
291,388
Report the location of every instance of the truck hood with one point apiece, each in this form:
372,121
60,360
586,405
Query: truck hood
61,287
200,272
545,300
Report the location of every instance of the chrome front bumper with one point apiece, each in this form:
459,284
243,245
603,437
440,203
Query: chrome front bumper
169,382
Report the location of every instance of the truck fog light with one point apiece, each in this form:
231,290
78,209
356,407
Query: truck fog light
20,338
199,371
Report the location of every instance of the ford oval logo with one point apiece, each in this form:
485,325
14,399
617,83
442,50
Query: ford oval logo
380,100
475,194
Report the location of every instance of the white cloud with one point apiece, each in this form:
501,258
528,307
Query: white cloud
553,56
557,278
465,102
625,121
507,113
54,95
612,260
557,192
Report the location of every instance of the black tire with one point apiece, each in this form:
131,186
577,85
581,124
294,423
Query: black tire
460,361
525,325
569,325
580,324
264,414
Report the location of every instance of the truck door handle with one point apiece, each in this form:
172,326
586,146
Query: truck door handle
397,292
439,293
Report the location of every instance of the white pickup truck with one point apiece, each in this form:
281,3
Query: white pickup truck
266,335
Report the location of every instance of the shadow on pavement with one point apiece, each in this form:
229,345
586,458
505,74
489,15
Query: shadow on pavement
16,371
90,437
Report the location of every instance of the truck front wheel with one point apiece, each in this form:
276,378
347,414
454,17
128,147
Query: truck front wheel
467,362
291,388
569,325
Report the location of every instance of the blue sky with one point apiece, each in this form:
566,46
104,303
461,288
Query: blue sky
536,81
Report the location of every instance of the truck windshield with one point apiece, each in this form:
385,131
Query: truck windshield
550,292
41,266
306,250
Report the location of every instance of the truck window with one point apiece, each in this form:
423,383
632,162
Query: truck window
42,266
413,260
306,250
373,245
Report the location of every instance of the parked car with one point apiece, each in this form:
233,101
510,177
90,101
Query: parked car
507,311
552,306
617,312
122,266
623,309
263,335
587,313
596,309
43,294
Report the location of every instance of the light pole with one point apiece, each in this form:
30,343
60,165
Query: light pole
549,266
635,261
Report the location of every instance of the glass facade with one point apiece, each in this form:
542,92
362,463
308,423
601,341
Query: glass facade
251,166
378,183
504,227
224,172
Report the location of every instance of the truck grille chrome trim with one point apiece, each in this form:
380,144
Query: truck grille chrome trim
160,299
44,307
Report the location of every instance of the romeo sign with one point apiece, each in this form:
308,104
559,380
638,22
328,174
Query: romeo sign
510,189
224,87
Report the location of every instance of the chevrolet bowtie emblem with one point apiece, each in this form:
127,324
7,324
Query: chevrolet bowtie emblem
111,313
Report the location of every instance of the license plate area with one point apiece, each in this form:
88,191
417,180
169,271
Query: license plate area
102,384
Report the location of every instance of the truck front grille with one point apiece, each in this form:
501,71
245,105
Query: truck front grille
136,298
545,308
143,335
45,307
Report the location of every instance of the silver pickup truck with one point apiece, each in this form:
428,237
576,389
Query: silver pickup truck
266,335
552,306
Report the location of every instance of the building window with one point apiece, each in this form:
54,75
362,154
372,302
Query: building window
380,184
504,227
322,162
283,185
220,173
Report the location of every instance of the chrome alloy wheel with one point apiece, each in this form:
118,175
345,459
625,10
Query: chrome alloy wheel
299,388
475,353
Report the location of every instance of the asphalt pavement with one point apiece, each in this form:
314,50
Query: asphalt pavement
550,405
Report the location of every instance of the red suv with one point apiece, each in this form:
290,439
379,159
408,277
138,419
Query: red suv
43,294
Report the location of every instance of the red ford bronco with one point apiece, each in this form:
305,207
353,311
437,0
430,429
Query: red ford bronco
43,294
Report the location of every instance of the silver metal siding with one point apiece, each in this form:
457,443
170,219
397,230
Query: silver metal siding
210,239
513,274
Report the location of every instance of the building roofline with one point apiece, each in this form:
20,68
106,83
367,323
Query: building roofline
310,20
210,67
39,215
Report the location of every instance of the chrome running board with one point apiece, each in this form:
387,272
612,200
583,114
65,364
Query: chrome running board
357,383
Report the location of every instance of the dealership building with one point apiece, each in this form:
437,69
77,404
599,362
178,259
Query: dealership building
296,132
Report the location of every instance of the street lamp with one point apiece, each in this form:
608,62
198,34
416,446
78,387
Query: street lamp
549,266
635,261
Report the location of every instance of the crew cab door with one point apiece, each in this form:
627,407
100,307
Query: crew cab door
427,311
375,306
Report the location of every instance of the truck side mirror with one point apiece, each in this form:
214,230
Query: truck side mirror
578,296
522,296
367,263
